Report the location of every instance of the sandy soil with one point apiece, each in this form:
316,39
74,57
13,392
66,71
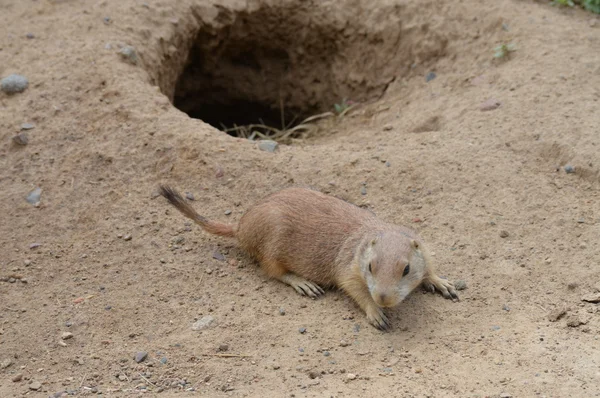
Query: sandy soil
102,258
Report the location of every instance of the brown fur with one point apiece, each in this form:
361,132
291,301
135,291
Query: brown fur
305,239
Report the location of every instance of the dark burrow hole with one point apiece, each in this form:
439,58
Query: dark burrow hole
246,66
236,82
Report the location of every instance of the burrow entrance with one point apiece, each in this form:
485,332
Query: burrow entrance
276,65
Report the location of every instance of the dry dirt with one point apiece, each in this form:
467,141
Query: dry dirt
101,257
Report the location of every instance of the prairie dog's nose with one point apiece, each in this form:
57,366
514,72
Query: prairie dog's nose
381,298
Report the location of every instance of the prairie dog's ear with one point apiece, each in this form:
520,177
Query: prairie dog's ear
414,244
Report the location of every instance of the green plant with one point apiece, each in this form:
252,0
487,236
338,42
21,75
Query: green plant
343,107
503,50
592,5
563,3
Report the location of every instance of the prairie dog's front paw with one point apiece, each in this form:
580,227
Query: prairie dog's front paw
377,318
444,286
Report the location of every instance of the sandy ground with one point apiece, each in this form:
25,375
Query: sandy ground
106,261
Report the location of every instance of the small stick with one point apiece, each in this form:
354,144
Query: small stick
227,355
146,380
82,380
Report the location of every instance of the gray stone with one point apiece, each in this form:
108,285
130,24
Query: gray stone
34,196
13,84
460,284
203,323
66,336
27,126
267,145
35,385
140,356
17,378
21,139
129,54
569,169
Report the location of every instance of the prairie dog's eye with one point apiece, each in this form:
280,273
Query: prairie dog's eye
406,270
370,268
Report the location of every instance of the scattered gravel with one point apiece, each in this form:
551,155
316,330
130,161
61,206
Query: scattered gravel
13,84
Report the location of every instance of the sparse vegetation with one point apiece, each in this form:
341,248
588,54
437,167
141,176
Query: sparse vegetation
504,50
563,3
592,5
343,107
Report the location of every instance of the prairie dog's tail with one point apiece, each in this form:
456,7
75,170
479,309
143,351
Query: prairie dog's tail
184,207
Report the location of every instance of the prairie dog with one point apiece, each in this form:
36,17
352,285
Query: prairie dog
307,239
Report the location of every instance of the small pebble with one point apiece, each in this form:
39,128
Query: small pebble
281,311
66,335
344,343
140,356
129,54
35,385
227,212
591,298
556,314
388,127
460,284
21,139
363,191
495,327
190,196
387,164
351,376
127,237
13,84
313,374
276,366
218,256
506,307
302,330
504,234
18,377
490,105
223,347
30,36
203,323
430,76
505,395
267,145
163,360
34,196
27,126
326,353
569,169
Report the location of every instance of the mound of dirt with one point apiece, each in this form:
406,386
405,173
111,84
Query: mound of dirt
105,289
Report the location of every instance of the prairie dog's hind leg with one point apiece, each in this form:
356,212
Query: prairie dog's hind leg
301,285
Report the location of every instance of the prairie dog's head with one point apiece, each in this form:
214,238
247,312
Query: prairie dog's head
393,265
